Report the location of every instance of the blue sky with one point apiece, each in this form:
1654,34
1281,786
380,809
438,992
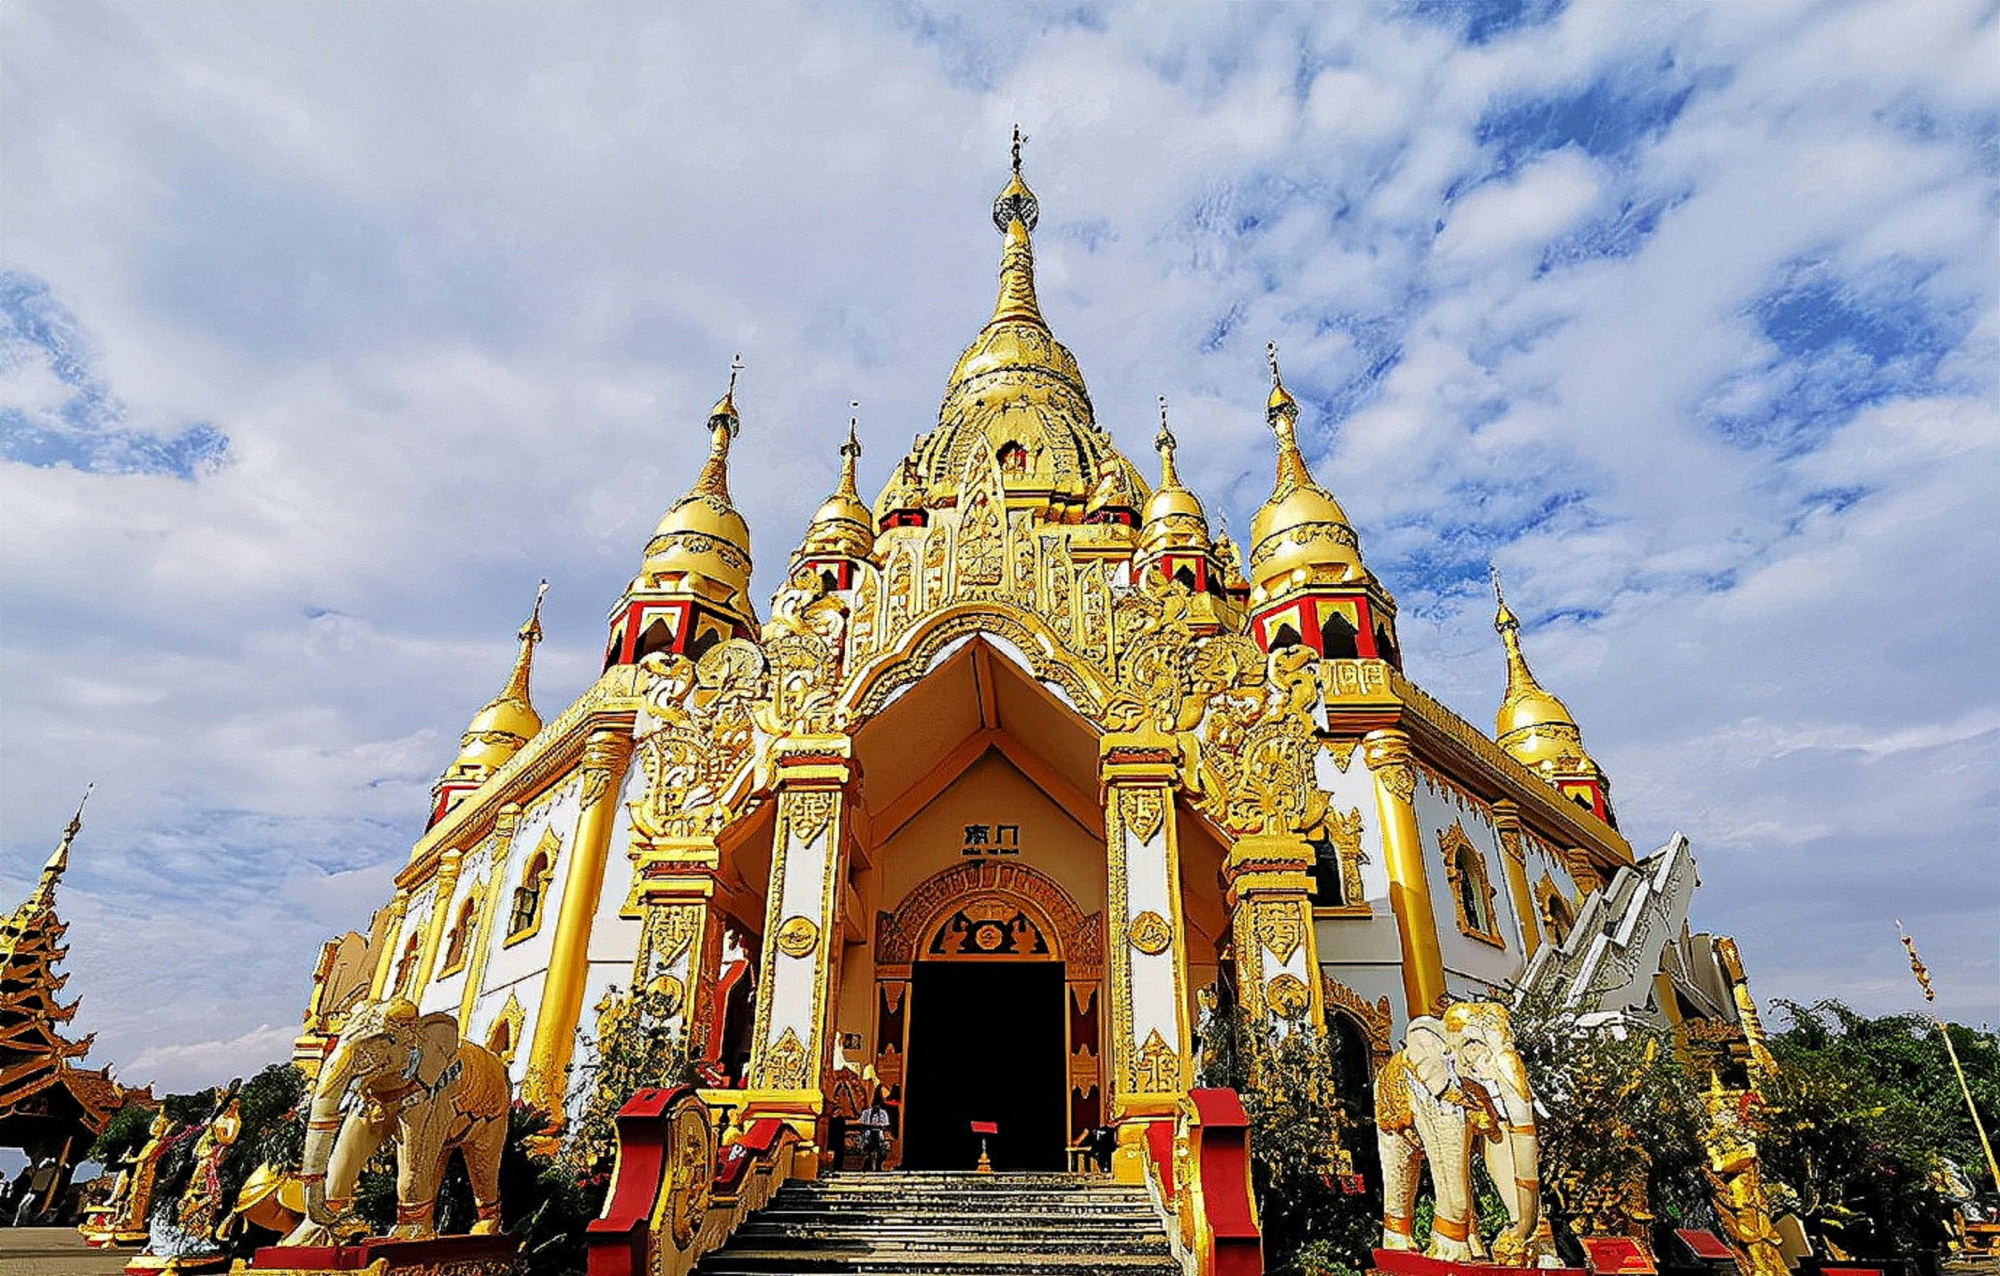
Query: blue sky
326,331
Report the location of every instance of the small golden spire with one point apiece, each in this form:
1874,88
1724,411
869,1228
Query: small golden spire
59,862
723,423
1520,679
1281,413
850,452
1018,139
1164,443
530,634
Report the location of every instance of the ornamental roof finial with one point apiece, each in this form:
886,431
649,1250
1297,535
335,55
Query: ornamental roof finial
723,423
1164,443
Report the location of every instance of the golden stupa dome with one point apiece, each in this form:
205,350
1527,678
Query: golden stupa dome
702,543
1173,517
842,526
508,721
1016,395
1533,724
1300,535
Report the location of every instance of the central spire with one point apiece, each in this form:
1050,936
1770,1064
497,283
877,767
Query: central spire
1015,401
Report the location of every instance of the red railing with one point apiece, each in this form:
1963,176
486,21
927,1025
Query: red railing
1199,1167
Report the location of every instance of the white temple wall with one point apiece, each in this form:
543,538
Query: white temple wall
1471,964
1353,790
510,962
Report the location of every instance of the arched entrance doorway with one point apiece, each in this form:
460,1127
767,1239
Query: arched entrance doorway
990,978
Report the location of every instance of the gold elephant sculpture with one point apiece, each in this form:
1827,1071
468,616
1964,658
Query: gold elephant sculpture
414,1078
1457,1081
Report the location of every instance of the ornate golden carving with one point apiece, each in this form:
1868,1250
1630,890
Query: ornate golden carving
1279,928
1288,995
1144,807
807,813
690,1172
899,935
670,992
693,733
1157,1069
1471,889
788,1063
1150,933
603,757
1390,759
798,936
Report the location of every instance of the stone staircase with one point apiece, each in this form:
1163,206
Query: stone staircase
948,1224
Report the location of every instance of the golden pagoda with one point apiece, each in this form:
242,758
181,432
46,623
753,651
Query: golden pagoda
48,1105
1025,767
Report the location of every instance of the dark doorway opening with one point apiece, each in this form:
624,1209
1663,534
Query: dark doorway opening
986,1044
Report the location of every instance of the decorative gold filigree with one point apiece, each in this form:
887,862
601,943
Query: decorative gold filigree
787,1062
1376,1022
807,814
798,936
690,1172
1280,929
1288,995
1471,891
693,733
1150,933
1390,760
1157,1069
1144,807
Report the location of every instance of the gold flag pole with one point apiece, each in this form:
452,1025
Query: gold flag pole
1923,975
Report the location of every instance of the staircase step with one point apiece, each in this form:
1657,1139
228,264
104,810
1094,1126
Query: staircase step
949,1223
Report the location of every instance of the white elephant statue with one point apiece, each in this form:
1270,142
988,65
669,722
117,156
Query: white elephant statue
394,1073
1458,1080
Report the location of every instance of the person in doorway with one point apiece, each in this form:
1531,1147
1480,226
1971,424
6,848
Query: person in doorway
874,1132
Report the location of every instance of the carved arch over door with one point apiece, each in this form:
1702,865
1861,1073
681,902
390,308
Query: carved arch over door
902,936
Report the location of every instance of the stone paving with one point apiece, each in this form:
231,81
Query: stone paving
53,1251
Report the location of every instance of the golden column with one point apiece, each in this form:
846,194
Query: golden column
385,961
792,1044
1507,823
1271,920
604,756
1387,753
446,879
1145,940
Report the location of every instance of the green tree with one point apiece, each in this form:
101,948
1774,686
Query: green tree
1615,1108
1858,1114
1299,1122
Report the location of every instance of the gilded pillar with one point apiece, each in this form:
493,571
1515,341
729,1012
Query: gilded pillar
385,961
1387,754
604,755
1507,823
1271,921
680,945
1146,935
792,1045
449,864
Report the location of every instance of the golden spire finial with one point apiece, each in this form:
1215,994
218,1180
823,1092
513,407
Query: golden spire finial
723,423
1504,621
1164,443
1281,413
1520,679
530,634
850,452
1018,139
59,861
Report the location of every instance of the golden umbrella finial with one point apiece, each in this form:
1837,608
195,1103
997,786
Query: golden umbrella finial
852,448
1923,975
1281,410
1019,138
1503,616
